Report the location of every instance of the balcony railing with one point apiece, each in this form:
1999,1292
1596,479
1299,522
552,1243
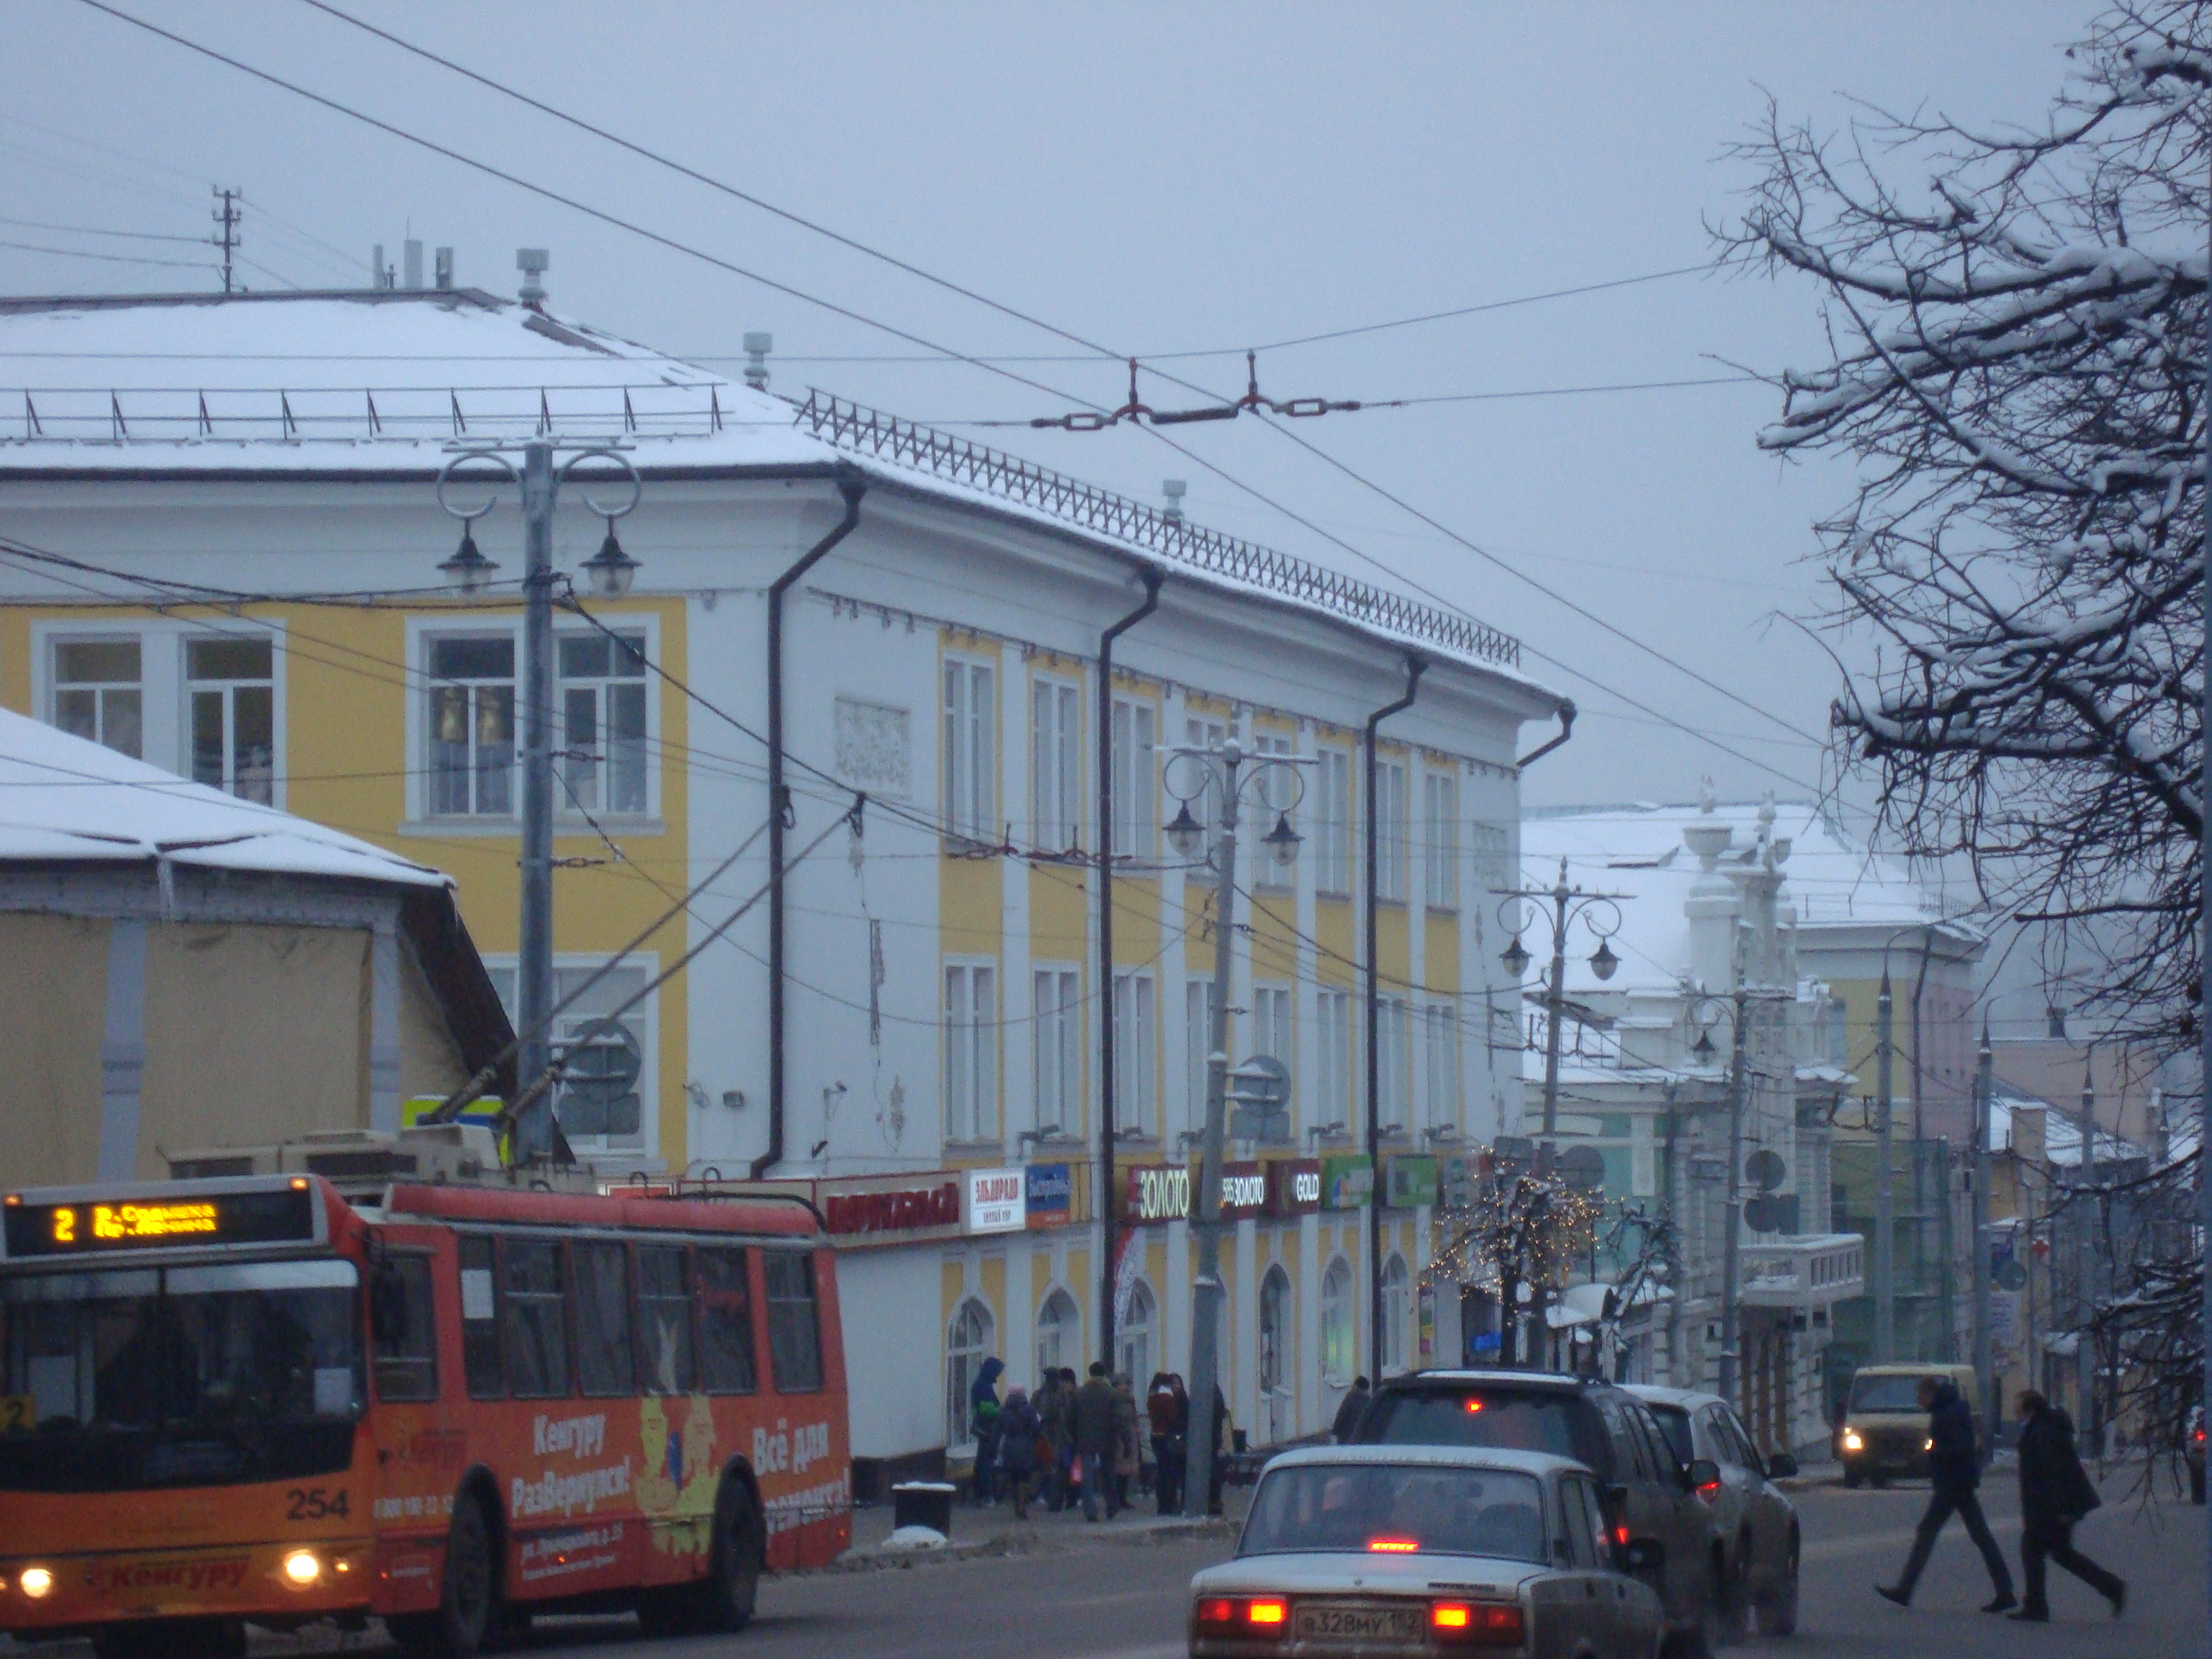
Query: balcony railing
861,430
1802,1271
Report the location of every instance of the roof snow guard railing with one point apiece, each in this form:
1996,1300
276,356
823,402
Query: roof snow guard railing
861,430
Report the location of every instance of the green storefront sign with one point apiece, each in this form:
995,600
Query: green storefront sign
1409,1181
1347,1181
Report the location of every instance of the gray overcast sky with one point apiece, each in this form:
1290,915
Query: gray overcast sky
1159,179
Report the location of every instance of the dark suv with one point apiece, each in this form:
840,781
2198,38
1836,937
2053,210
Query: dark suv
1605,1428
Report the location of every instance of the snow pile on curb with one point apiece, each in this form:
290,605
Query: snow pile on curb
915,1538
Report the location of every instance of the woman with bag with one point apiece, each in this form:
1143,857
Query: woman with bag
1019,1430
2055,1493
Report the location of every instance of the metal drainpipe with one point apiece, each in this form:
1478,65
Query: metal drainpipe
1567,731
1151,579
779,806
1415,666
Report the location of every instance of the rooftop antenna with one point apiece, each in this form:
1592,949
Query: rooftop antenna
411,261
532,263
757,346
1173,490
226,218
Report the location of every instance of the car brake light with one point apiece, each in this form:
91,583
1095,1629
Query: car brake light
1488,1623
1709,1491
1268,1616
1620,1536
1393,1546
2200,1434
1476,1405
1267,1610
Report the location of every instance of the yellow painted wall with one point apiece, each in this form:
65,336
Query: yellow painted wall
1440,951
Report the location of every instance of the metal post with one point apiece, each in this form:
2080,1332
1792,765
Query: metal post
1555,1004
1731,1263
1415,666
2204,945
1884,1194
1207,1292
1985,1376
533,980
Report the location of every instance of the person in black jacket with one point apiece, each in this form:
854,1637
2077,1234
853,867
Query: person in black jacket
1954,1469
2055,1493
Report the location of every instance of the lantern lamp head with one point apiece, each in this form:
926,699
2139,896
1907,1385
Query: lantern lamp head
468,571
1515,957
1184,833
610,570
1283,841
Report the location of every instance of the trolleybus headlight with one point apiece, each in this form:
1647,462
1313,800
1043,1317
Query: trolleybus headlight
1851,1441
36,1582
302,1568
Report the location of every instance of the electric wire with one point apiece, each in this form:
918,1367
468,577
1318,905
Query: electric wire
87,230
107,258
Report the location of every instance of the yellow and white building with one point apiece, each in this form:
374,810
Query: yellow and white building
224,560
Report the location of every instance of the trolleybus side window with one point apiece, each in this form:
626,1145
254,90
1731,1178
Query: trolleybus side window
402,1328
604,1364
664,1319
480,1321
725,1323
533,1318
794,1330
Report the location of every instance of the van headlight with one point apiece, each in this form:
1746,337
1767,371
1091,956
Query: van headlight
1851,1441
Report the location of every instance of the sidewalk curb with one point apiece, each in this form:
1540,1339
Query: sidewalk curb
1001,1545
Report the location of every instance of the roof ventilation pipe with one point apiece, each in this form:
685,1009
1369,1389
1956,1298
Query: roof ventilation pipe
444,279
411,264
757,346
532,263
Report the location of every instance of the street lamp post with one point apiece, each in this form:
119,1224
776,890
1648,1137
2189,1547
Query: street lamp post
1187,836
1569,905
609,572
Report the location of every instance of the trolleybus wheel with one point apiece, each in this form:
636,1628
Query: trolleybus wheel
468,1604
722,1601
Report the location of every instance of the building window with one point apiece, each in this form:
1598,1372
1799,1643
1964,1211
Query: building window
1331,1101
1279,786
967,1345
1275,1353
1136,779
1136,1046
601,767
97,693
1199,1004
1390,831
1058,1334
1493,863
1057,1053
971,1051
1442,1020
1055,767
1332,821
598,1114
1440,841
1397,1314
230,698
971,800
1270,1023
1336,1326
1391,1038
472,738
1132,1334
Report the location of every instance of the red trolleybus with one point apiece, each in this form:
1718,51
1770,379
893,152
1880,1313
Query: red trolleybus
250,1401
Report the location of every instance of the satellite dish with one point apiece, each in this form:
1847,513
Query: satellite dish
1765,1169
1764,1214
2010,1275
1582,1167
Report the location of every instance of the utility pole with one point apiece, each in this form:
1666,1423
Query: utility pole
226,218
2091,1281
1885,1195
1414,666
1985,1378
1731,1261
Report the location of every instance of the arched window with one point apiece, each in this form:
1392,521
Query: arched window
1058,1334
1133,1337
1336,1330
1274,1330
967,1345
1397,1314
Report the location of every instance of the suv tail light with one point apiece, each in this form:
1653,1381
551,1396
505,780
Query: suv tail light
1476,1624
1260,1616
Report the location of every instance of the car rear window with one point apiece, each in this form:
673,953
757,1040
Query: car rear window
1675,1424
1395,1509
1502,1418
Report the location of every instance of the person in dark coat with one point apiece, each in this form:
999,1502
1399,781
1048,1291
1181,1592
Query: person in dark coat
1018,1429
1954,1469
1349,1413
983,1423
1163,1414
1095,1418
2055,1493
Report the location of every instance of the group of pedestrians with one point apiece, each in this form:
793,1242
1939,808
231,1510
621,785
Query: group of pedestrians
2055,1493
1083,1444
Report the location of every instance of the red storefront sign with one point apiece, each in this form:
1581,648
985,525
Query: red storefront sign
901,1210
1293,1186
1157,1192
1244,1191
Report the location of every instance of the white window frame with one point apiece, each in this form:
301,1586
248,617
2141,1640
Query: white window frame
1198,1005
1492,846
1057,1048
1392,1042
968,760
1136,1052
1440,1020
567,797
1440,839
1397,1311
962,1363
1390,829
1066,1326
1273,1030
969,1036
1277,789
1330,1102
422,631
164,713
1136,778
645,1022
1340,1325
227,691
1055,764
1332,821
1133,1335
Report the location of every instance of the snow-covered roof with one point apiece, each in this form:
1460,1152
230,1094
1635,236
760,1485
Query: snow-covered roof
381,382
64,800
2062,1131
1638,852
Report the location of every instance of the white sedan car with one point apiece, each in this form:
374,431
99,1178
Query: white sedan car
1753,1517
1428,1550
